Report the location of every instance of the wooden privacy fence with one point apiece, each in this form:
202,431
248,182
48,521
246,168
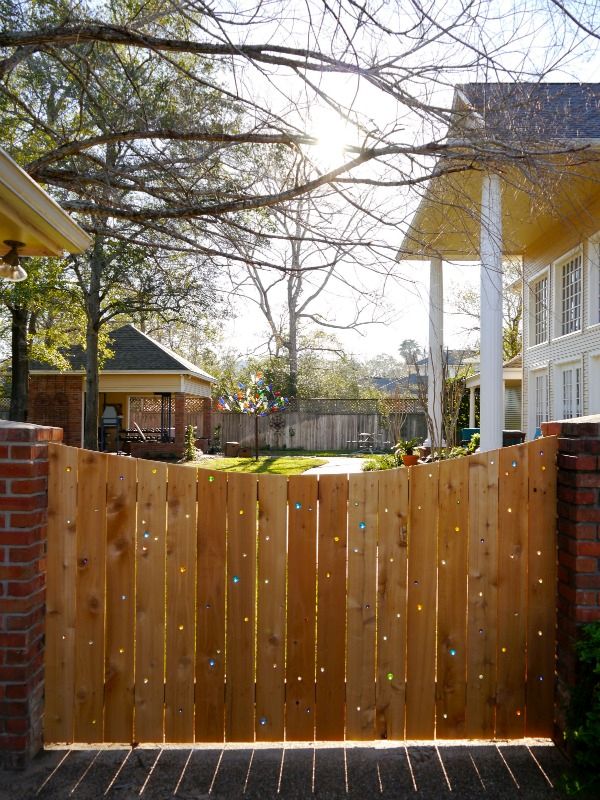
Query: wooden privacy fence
186,605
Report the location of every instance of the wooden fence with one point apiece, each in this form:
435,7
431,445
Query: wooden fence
315,431
185,605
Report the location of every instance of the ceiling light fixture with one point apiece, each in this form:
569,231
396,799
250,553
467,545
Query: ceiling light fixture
10,268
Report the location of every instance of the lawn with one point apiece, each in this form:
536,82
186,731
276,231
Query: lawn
276,465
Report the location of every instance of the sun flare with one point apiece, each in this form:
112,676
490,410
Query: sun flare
332,136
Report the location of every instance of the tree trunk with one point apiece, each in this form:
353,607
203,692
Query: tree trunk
293,356
90,430
20,365
256,437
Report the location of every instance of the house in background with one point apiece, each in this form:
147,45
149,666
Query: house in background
512,381
528,186
142,384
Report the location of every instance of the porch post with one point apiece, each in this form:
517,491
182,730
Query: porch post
491,405
472,407
435,375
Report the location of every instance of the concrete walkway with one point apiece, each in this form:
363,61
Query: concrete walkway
337,465
506,771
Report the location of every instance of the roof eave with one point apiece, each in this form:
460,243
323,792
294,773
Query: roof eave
24,202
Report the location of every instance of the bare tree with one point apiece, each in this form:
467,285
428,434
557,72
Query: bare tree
152,122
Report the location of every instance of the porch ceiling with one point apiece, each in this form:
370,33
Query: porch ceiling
447,221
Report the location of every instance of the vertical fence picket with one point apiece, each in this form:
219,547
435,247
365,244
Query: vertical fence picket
120,598
150,601
210,630
181,603
482,595
60,594
331,607
300,665
361,605
422,569
270,638
512,592
90,596
391,603
453,533
541,593
241,617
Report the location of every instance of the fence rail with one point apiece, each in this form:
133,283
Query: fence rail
185,605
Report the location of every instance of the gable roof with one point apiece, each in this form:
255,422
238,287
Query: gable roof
537,112
133,351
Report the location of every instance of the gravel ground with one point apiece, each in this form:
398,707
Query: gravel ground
527,771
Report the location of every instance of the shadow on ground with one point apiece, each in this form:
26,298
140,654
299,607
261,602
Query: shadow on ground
502,771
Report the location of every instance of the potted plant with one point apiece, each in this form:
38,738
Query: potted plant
406,449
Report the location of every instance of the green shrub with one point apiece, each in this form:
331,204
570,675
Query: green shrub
583,721
378,462
189,454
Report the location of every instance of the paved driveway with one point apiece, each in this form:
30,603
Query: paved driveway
521,771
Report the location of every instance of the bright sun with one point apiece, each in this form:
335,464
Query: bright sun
332,135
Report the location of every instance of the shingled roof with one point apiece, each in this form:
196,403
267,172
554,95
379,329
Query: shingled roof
133,351
536,111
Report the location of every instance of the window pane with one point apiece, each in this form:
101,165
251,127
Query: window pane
541,311
571,296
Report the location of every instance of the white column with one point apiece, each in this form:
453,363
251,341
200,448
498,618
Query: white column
472,407
491,401
435,389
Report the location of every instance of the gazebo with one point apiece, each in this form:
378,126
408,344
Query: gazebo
148,396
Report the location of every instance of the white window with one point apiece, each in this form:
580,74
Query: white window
570,391
594,280
541,398
539,318
569,277
594,383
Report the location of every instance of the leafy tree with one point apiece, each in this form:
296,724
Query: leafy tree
466,301
44,321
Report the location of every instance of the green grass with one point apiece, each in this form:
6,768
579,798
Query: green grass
278,465
321,453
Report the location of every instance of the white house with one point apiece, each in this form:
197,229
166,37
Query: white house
528,186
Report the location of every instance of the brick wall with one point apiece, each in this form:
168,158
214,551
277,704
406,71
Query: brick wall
23,504
57,401
578,524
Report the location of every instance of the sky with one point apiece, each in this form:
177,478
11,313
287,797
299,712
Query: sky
406,296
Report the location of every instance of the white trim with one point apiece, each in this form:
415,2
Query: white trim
35,210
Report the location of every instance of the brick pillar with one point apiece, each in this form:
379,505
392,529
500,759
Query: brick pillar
578,524
179,422
23,508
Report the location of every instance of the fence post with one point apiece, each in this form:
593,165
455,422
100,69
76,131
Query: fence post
23,511
578,521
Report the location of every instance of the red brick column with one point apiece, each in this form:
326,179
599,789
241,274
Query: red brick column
179,422
578,521
23,508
